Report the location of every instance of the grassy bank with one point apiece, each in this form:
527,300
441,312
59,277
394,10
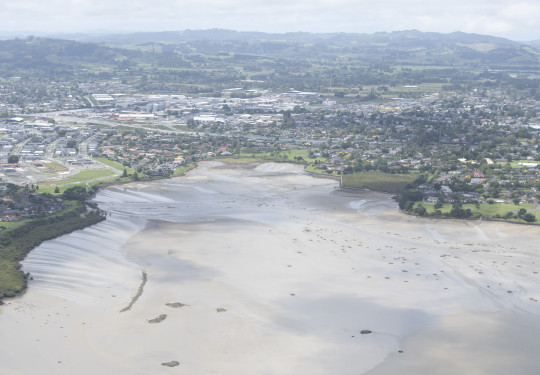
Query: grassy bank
115,165
378,181
179,171
17,242
19,238
496,211
82,177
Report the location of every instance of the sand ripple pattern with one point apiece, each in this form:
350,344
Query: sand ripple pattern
83,265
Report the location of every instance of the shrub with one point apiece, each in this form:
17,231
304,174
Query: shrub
529,218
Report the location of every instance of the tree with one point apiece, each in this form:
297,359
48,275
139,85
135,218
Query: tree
124,174
135,176
420,210
71,143
56,190
523,133
459,212
288,120
12,188
13,159
75,193
511,139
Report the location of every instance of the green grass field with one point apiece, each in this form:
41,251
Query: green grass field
291,155
517,163
379,181
10,225
115,165
81,177
485,209
91,177
85,178
55,166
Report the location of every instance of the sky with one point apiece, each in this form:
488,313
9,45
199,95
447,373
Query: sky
512,19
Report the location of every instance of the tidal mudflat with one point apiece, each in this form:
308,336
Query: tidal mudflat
263,269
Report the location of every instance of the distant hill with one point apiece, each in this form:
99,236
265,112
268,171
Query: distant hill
57,56
535,43
409,46
196,60
220,35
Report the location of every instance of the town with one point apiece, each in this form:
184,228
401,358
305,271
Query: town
471,147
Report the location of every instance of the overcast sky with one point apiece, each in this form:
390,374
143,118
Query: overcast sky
513,19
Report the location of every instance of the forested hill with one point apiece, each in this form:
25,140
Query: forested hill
535,44
207,61
57,56
342,39
406,47
411,45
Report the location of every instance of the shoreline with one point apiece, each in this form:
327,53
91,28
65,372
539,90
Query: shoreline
282,266
20,241
480,218
259,162
20,291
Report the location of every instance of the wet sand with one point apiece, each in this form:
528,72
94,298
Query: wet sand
267,270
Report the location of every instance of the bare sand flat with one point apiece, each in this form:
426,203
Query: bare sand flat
266,270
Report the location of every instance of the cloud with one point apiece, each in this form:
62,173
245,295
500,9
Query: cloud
524,14
499,17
